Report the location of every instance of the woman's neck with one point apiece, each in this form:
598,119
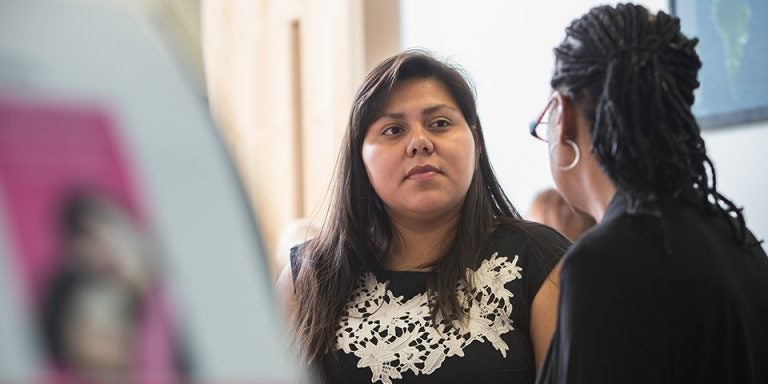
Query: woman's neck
602,191
419,244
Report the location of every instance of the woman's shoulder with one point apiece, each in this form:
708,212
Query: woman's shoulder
615,247
537,247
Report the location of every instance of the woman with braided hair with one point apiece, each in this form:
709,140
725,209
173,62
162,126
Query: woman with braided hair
670,286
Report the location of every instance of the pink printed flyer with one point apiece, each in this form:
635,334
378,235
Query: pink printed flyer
82,246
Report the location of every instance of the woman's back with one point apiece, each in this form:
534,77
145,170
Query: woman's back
669,287
689,299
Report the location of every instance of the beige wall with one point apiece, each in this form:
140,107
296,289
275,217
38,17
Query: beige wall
281,75
182,22
381,30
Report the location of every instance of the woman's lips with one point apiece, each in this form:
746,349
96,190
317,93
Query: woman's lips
422,171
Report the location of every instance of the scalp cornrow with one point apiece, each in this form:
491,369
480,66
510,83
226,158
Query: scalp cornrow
633,75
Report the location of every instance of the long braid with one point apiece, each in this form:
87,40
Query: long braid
633,75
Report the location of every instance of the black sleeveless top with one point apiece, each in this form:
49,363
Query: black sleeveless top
387,334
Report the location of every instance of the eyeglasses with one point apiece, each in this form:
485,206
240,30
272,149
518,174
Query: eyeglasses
538,127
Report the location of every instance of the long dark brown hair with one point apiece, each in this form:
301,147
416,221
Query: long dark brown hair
357,236
633,75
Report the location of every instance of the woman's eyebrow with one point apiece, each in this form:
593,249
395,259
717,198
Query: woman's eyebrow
436,108
427,111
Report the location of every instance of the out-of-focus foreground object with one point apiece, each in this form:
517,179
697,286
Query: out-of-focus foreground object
128,251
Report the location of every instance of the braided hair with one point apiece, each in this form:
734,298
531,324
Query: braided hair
633,74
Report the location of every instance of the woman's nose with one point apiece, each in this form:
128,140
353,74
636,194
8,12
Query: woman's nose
420,143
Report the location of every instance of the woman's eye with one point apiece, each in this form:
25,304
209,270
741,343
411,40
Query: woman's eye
441,123
393,130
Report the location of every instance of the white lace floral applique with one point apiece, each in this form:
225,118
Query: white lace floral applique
392,336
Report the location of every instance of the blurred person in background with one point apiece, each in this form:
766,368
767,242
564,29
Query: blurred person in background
98,301
670,286
296,232
423,270
549,208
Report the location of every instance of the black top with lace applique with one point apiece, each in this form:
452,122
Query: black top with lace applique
387,334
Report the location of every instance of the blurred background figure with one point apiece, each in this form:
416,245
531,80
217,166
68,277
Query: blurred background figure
103,298
549,208
297,232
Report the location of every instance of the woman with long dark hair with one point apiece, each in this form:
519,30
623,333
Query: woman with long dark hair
670,286
423,270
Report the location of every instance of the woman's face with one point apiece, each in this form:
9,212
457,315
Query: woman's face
420,153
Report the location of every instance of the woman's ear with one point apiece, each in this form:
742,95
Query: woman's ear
565,116
478,143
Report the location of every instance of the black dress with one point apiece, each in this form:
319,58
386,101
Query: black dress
387,333
646,302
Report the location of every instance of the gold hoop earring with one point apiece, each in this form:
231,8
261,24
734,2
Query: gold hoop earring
576,159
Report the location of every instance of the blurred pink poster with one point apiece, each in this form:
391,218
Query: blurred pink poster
48,152
81,242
